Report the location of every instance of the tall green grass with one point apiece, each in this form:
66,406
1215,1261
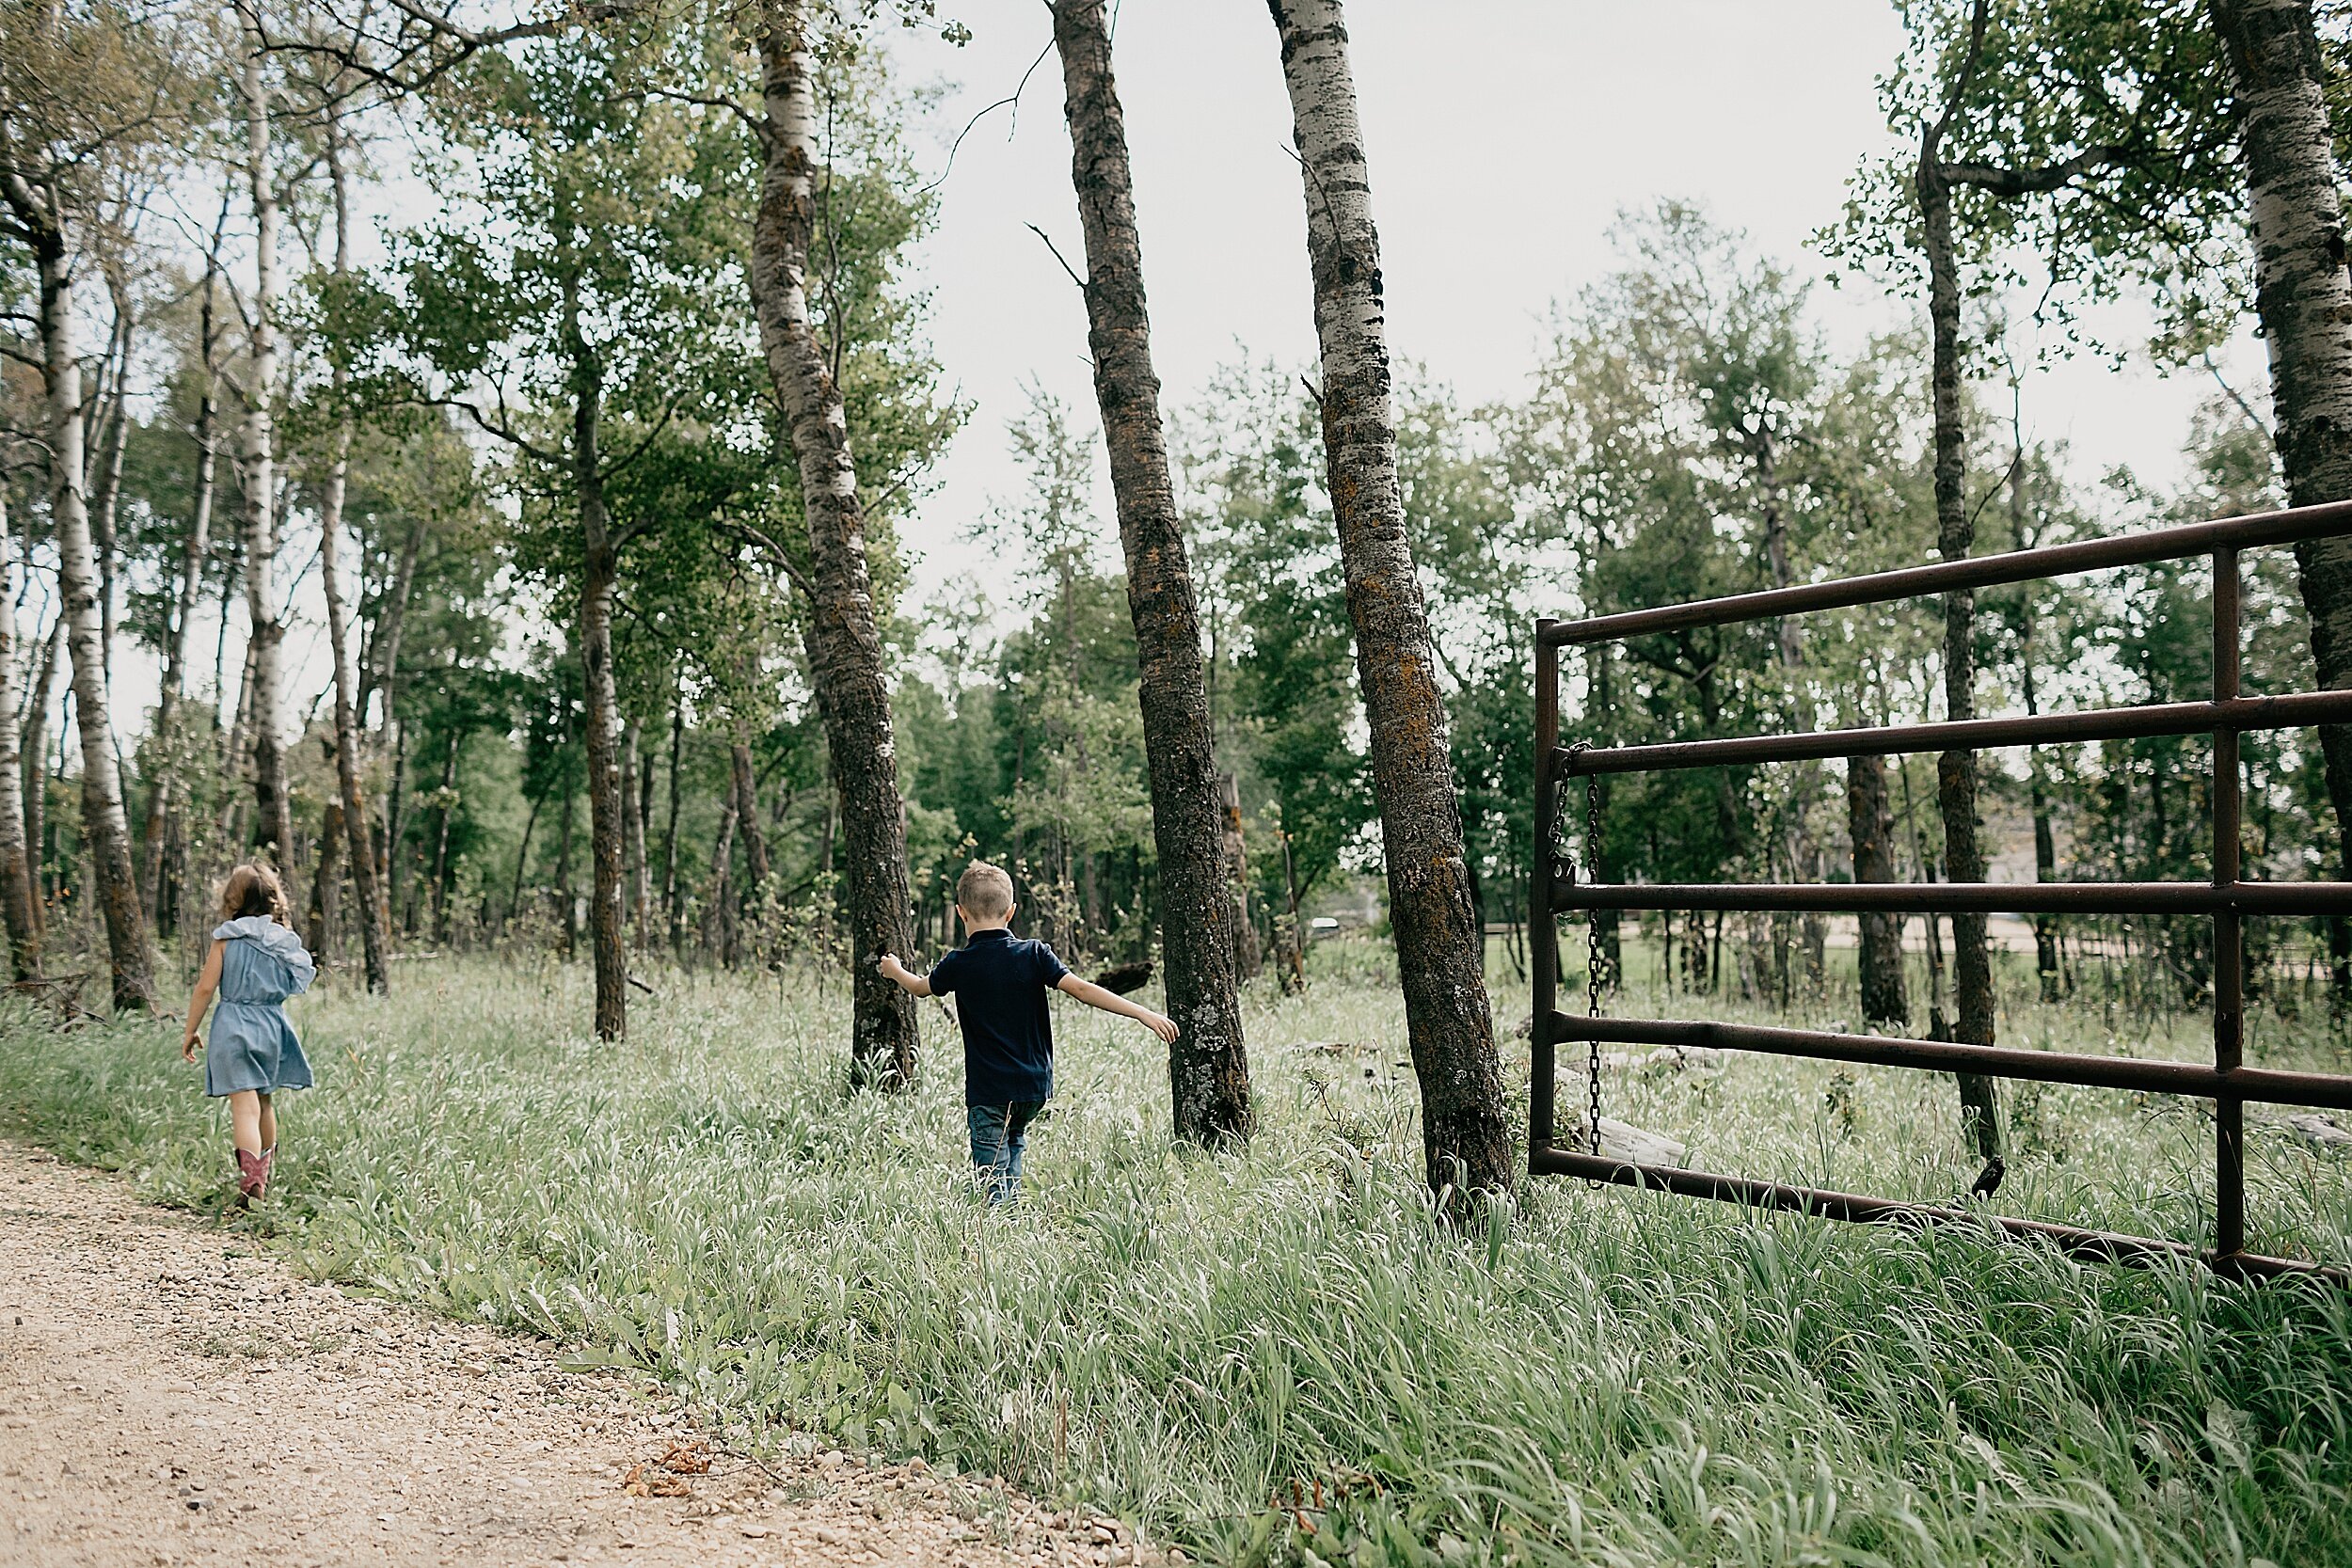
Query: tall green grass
1282,1357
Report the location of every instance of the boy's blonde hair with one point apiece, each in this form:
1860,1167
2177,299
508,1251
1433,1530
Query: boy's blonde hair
254,889
985,891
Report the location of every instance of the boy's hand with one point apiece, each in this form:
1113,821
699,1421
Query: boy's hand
1160,1024
890,966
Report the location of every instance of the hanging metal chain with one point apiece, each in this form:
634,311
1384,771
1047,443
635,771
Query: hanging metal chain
1596,966
1564,846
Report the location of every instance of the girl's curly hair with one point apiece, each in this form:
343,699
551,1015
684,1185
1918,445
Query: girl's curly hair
254,889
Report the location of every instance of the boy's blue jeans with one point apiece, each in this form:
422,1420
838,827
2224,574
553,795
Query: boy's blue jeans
999,1132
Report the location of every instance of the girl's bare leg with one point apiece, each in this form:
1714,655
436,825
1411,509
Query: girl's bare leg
268,1125
246,1111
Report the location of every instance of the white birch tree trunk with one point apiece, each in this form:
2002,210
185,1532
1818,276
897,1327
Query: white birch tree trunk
104,827
843,642
2303,298
1440,946
261,484
1208,1063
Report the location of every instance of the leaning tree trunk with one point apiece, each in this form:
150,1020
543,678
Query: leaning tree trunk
1464,1122
1208,1065
271,798
105,496
39,702
1880,949
2303,296
1956,771
16,882
375,913
844,648
104,827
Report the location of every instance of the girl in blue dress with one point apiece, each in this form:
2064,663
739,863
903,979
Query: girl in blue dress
255,963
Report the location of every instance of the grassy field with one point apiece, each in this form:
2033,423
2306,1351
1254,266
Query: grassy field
1279,1357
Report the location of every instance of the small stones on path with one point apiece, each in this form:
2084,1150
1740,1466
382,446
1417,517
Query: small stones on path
171,1398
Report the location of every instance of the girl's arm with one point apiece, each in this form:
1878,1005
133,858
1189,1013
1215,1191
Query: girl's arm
910,982
206,984
1111,1001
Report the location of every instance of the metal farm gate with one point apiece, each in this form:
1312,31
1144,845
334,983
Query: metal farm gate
2228,1082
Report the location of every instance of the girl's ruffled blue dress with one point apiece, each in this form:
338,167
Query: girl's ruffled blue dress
252,1045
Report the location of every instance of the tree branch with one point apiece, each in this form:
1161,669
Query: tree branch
1931,145
499,427
2011,183
746,532
1058,256
669,412
1014,100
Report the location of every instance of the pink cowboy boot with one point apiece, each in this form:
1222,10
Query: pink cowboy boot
252,1174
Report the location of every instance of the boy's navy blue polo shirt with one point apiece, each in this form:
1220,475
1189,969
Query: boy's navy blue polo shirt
999,982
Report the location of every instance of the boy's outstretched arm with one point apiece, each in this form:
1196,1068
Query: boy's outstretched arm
1111,1001
913,984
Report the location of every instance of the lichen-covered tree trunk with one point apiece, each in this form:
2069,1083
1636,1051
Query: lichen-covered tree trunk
599,569
1880,949
106,828
2303,296
1956,771
1208,1065
844,647
271,798
1466,1130
16,884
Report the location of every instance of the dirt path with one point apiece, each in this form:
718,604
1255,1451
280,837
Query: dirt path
170,1396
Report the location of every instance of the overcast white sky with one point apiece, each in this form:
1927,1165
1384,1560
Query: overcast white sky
1505,138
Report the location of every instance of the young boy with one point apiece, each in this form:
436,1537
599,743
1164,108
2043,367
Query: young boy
1001,981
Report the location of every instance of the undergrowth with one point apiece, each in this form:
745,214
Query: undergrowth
1281,1356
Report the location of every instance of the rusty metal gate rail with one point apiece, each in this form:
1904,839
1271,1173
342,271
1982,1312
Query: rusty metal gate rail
2228,899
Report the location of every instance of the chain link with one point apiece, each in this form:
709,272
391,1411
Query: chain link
1564,846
